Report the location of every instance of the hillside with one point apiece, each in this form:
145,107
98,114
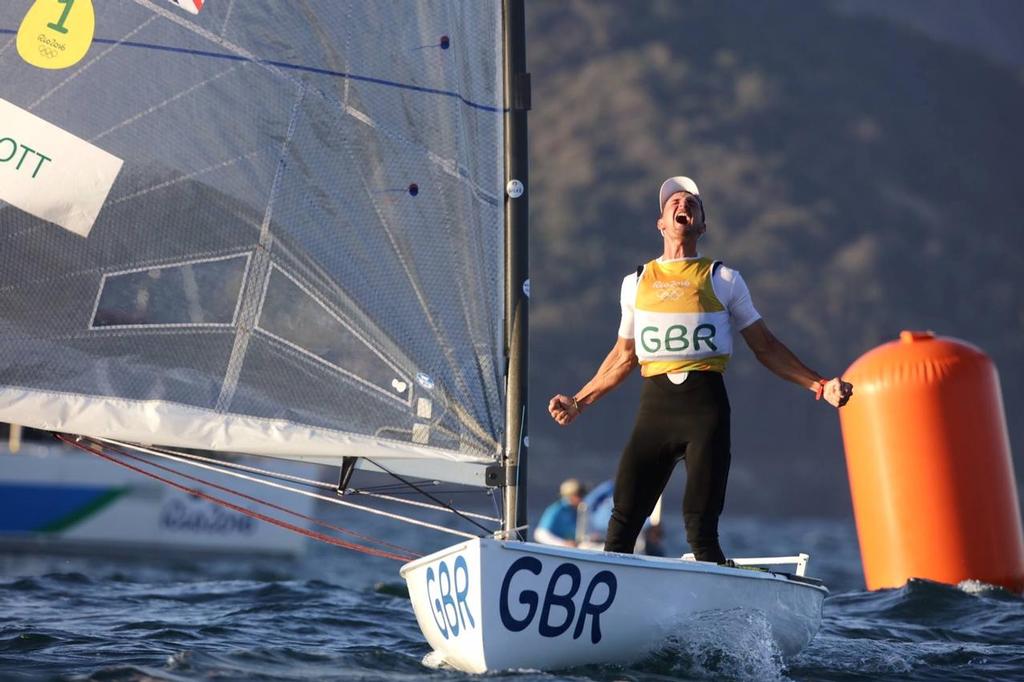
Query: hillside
862,175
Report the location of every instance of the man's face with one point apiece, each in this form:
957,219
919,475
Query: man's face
683,215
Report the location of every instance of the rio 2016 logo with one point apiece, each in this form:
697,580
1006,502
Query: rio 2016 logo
447,591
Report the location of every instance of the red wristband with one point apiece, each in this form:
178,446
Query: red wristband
820,390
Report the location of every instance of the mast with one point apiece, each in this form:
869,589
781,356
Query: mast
517,103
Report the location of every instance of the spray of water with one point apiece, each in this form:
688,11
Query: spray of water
734,644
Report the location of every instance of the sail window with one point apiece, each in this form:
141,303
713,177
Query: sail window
294,315
199,292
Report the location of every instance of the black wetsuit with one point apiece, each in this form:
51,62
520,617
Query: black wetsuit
688,421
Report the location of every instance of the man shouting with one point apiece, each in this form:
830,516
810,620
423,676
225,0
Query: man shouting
679,313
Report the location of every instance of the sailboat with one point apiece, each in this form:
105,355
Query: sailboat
299,231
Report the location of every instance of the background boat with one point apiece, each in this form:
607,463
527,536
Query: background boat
56,499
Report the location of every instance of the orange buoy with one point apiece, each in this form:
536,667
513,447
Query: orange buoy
928,455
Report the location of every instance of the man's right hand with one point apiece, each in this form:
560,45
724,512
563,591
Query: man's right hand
837,392
562,409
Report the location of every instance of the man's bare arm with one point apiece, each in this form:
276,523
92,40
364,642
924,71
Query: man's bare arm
620,361
774,355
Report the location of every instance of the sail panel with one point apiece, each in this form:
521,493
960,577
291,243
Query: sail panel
302,250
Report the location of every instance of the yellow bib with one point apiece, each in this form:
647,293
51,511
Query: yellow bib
679,323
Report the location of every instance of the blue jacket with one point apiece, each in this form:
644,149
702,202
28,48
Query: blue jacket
559,519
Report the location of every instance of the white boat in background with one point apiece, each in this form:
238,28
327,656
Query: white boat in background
56,499
299,231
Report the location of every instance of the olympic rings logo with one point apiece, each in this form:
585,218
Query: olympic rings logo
47,51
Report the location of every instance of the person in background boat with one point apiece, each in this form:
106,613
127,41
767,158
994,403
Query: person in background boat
679,313
557,525
594,513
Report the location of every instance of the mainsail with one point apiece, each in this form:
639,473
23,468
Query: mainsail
300,253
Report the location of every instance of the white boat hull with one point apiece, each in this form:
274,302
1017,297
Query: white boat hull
486,605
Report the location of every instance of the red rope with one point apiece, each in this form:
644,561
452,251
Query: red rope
407,556
237,493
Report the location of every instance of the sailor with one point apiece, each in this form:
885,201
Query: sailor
557,525
679,313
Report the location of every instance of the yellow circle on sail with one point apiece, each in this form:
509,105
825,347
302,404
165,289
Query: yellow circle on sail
56,34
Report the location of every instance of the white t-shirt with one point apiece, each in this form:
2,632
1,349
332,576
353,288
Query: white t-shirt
729,287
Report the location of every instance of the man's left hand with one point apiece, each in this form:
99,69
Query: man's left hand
837,392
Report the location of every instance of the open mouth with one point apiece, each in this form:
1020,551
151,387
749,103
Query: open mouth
684,219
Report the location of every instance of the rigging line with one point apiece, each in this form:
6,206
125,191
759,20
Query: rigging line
399,489
272,505
506,534
431,497
414,503
221,464
234,465
519,469
499,504
242,510
332,500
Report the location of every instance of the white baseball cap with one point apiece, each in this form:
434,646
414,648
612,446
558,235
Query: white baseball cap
679,183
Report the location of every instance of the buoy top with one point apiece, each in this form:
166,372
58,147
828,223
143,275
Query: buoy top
916,357
907,336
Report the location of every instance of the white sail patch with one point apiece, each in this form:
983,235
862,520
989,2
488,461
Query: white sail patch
50,173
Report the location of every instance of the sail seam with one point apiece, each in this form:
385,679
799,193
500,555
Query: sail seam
85,67
160,105
227,17
309,292
183,178
337,368
442,339
259,271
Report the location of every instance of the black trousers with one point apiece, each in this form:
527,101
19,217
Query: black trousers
688,421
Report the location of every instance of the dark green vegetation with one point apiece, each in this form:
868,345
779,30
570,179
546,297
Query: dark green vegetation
863,176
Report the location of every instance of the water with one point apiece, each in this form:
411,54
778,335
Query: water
337,615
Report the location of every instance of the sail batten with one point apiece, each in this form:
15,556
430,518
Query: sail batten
302,251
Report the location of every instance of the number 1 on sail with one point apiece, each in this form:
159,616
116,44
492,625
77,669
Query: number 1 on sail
56,34
59,26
